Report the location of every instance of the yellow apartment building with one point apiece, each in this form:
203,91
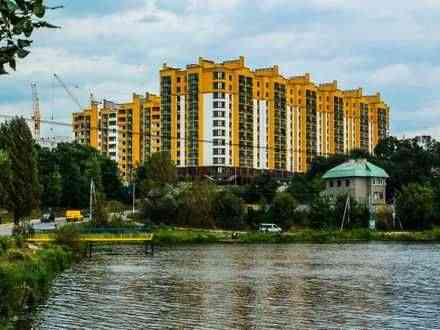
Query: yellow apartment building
226,119
127,133
220,118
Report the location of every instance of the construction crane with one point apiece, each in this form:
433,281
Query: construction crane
72,96
36,115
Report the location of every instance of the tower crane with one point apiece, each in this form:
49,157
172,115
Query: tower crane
36,115
72,96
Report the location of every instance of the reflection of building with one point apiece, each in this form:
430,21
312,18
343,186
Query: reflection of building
360,179
127,132
225,117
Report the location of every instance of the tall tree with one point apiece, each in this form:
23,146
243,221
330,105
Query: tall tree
414,206
18,20
22,188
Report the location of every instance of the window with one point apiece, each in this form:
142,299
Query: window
339,183
331,184
347,183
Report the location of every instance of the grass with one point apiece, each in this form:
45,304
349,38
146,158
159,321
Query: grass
173,236
25,276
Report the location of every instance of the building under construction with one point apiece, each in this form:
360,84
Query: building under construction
127,133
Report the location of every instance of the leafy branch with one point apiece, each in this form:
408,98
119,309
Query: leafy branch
18,20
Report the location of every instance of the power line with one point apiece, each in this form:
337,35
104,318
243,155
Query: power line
144,134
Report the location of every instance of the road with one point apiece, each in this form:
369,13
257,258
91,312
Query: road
6,229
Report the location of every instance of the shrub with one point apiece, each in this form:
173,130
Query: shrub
414,206
384,218
228,211
69,235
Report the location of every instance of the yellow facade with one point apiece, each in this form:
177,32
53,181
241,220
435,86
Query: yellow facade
222,117
128,133
267,121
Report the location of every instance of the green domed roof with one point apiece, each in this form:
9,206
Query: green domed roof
355,168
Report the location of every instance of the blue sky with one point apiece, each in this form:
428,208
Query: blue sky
114,48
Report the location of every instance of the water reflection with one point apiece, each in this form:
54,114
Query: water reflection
360,286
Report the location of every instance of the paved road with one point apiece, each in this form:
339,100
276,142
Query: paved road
6,229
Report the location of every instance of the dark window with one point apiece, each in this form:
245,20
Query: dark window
339,183
347,183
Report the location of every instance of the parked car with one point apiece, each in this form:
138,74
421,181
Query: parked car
47,217
74,215
269,228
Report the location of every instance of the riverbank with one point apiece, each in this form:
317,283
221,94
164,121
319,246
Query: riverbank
26,272
173,236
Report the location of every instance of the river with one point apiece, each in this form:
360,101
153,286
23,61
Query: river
298,286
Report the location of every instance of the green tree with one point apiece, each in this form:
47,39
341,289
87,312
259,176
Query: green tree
18,20
111,182
282,211
158,171
414,206
228,210
21,186
196,205
263,187
305,188
322,214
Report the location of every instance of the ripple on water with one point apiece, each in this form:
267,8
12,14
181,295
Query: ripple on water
360,286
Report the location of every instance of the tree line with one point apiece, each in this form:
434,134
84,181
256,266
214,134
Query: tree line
33,177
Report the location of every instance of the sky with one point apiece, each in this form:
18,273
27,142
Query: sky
113,48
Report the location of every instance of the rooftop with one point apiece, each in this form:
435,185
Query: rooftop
355,168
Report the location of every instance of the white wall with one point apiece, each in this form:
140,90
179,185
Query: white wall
182,131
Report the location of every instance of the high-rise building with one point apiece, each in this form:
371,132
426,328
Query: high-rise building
224,118
127,133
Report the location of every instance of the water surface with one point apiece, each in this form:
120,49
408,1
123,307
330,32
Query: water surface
298,286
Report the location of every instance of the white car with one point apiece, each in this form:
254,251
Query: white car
269,228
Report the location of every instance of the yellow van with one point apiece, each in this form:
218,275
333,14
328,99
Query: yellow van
73,215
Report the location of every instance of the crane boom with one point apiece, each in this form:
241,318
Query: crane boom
72,96
36,115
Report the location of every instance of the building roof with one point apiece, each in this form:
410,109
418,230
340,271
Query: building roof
355,168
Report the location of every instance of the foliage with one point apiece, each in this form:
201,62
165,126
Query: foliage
414,206
100,215
384,218
68,235
66,171
228,210
25,277
158,171
305,188
282,211
160,209
19,184
322,214
263,188
196,206
18,20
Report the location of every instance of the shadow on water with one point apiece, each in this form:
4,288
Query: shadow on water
367,286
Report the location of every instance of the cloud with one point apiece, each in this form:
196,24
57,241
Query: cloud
114,48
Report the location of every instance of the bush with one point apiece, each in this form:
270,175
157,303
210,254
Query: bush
69,235
228,211
414,207
282,211
384,218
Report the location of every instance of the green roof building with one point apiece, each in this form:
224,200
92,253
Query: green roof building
363,180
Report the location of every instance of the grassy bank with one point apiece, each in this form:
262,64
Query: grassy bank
196,236
25,276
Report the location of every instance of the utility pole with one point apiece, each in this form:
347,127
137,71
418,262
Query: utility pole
92,193
134,192
36,115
